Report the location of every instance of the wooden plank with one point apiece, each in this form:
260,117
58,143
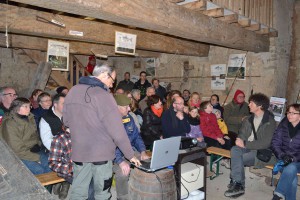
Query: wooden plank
273,33
60,79
163,17
49,178
263,31
21,21
254,27
244,22
247,7
217,12
82,48
230,18
40,78
218,151
196,5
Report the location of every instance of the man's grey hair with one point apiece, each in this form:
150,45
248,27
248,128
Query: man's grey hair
135,91
101,68
149,88
2,91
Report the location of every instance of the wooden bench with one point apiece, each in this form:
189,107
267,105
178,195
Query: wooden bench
216,154
49,178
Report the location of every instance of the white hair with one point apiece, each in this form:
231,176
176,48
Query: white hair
101,68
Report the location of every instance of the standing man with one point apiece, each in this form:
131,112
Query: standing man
143,103
186,95
142,84
96,128
159,90
7,95
174,121
244,153
126,84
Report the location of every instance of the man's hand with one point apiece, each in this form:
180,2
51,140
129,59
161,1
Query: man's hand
125,168
239,142
179,115
135,161
221,141
144,156
200,139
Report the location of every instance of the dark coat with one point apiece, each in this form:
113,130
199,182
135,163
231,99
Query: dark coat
264,134
172,126
151,127
125,85
283,144
142,87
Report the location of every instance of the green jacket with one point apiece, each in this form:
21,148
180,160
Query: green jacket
21,135
233,115
264,134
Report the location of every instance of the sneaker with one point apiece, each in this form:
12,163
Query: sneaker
226,163
231,184
235,191
276,197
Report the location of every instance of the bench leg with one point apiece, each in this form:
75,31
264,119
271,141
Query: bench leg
215,159
49,188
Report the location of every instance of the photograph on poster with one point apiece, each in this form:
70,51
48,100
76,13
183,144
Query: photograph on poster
236,66
277,106
125,43
150,66
58,55
218,81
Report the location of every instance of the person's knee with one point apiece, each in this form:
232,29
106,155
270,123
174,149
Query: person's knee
235,151
290,169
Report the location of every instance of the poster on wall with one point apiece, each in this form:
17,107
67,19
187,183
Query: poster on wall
125,43
298,98
58,55
150,66
218,81
236,66
277,107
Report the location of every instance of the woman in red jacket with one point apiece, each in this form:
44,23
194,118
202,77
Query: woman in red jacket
210,129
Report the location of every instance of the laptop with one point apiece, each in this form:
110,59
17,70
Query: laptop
164,154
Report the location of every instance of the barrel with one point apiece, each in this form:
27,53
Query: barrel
146,186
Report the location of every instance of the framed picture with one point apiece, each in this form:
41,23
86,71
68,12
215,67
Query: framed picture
150,66
277,106
58,55
236,66
298,98
125,43
218,81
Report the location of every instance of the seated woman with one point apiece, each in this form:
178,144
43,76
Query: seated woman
286,147
20,133
151,129
215,102
210,128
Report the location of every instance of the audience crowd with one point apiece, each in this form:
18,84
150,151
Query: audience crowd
87,134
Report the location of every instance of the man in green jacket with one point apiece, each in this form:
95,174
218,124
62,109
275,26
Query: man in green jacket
244,153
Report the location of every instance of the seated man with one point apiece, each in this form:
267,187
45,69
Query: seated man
50,123
7,95
45,102
249,140
174,120
121,167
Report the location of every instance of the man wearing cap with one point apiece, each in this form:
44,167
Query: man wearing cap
121,167
96,129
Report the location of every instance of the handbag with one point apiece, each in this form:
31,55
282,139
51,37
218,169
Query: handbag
264,155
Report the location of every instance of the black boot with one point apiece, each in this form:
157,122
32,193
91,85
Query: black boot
236,190
275,197
56,188
64,190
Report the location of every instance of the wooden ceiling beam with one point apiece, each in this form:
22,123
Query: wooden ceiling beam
162,16
77,48
24,21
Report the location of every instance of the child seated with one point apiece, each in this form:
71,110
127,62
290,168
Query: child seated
194,121
210,129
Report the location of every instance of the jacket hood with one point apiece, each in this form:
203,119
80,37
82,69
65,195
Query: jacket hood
237,92
92,81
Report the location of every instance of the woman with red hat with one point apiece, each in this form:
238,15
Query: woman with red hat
234,113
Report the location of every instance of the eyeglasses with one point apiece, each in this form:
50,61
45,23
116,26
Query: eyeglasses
241,97
10,94
179,103
292,113
111,78
47,100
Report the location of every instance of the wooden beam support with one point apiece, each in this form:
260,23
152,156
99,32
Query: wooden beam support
60,79
164,17
230,18
216,12
77,48
244,22
254,27
263,31
196,5
24,21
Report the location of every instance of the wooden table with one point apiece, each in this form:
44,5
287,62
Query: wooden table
195,155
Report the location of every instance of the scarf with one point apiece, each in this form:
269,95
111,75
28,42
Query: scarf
197,105
156,111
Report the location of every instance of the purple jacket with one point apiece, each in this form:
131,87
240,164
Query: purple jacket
283,144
